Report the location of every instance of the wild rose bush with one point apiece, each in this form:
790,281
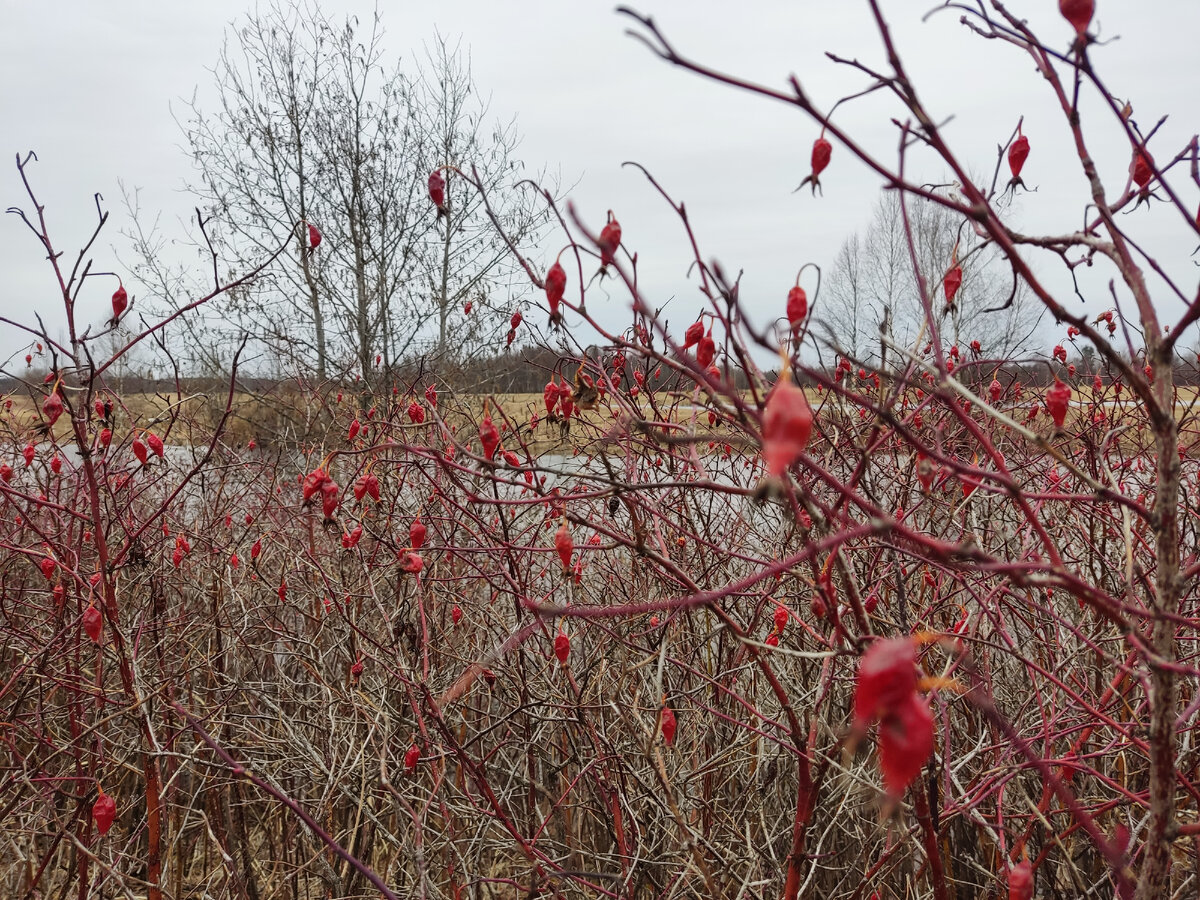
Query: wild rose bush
695,624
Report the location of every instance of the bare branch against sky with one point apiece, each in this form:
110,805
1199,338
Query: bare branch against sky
92,88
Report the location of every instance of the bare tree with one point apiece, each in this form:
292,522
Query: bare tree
466,259
873,279
314,127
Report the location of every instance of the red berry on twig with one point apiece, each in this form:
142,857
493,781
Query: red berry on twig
437,191
668,725
822,151
787,425
609,240
562,647
556,286
120,301
1078,12
104,810
797,308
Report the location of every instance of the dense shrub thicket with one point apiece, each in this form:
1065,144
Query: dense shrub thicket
671,626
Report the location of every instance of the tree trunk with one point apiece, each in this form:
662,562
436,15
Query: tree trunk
444,289
1154,878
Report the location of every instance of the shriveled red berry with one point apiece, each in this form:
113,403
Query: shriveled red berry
787,425
564,544
668,725
330,498
1078,12
437,191
489,436
93,623
609,240
1057,400
312,483
1141,169
1018,152
52,408
104,810
562,647
1020,881
556,286
952,282
797,308
416,534
706,350
822,151
360,487
905,742
887,673
886,690
120,302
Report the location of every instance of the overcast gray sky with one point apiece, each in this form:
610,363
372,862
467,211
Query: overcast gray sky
91,87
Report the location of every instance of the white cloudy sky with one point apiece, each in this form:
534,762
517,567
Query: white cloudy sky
91,87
